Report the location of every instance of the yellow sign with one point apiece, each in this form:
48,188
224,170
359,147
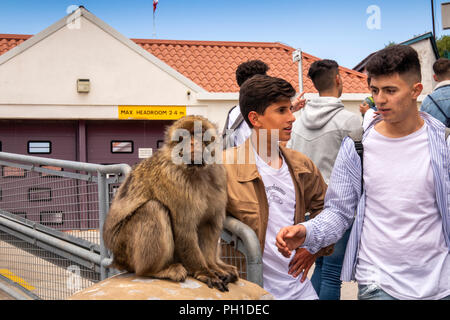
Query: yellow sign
152,112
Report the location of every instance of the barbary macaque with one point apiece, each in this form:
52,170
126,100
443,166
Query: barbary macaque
167,216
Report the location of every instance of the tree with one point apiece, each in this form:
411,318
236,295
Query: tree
443,44
390,43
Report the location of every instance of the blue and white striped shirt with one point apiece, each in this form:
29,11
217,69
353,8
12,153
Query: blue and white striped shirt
344,198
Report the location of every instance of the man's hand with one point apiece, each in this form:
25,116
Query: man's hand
363,107
301,262
298,103
290,238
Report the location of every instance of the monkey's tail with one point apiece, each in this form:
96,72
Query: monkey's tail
120,265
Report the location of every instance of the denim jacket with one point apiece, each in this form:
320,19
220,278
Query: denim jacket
442,97
344,197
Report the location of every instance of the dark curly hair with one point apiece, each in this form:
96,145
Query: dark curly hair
248,69
322,73
441,67
401,59
260,91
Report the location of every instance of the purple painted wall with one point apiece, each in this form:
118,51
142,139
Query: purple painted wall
143,133
15,134
75,202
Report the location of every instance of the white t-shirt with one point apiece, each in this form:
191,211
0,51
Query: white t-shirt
402,247
280,193
243,131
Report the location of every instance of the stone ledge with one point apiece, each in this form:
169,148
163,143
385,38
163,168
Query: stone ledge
128,286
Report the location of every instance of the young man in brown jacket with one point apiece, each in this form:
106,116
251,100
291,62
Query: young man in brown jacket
270,185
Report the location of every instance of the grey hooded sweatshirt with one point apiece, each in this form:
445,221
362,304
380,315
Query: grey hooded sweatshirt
319,130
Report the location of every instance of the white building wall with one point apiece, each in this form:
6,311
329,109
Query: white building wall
46,73
427,58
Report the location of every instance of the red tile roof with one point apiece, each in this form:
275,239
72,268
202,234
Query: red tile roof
9,41
212,64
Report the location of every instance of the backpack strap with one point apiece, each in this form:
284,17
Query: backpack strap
227,120
237,123
447,119
356,136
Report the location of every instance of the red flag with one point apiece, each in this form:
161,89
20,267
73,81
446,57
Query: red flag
155,3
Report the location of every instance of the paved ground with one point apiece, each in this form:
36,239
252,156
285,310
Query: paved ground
4,296
43,278
11,292
349,291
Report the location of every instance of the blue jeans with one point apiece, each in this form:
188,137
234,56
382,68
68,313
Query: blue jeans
327,271
373,292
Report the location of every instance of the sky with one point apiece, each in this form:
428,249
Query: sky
345,31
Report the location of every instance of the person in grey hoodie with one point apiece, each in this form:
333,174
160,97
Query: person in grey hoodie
318,132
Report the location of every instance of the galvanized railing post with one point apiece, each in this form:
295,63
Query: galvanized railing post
249,245
103,210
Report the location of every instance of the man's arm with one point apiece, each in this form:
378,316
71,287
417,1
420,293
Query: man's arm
341,201
368,118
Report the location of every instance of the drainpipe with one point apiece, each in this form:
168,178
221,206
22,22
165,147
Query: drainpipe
297,57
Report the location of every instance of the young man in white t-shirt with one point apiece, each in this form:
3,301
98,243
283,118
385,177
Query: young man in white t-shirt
400,240
270,186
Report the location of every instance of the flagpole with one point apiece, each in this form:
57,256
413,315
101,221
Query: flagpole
154,28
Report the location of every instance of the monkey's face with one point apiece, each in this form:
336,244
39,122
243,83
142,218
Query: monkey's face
197,150
193,141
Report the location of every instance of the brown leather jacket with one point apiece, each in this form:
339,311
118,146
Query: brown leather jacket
247,199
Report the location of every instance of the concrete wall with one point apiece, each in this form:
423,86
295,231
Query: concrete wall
427,58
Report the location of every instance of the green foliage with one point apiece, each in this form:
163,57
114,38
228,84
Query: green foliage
391,43
443,44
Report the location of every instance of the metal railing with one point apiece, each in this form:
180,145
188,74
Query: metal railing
51,218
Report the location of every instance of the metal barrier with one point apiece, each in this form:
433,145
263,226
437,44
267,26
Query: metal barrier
51,218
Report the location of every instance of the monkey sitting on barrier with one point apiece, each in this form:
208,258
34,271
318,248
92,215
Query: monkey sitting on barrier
166,218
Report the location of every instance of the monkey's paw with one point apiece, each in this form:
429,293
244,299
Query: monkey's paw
211,280
228,276
175,272
228,273
178,273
